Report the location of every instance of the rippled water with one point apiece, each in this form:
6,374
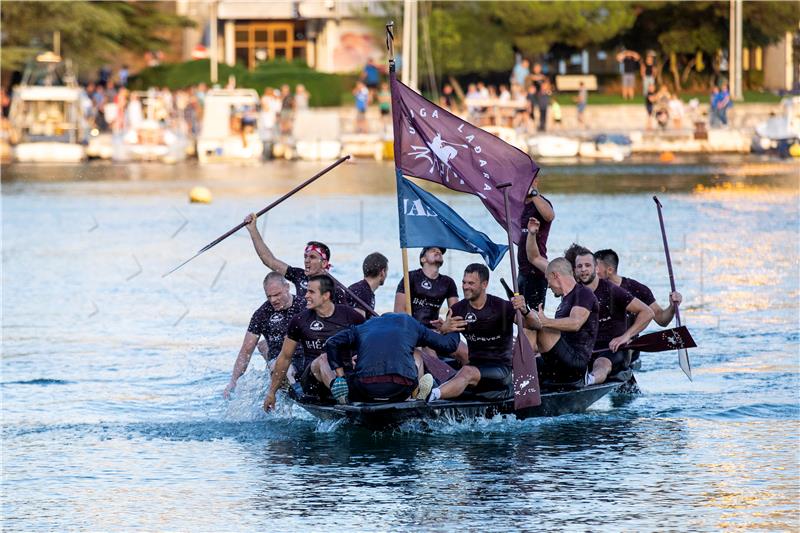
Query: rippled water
112,376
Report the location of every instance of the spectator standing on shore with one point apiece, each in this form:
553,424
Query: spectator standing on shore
123,76
371,77
580,101
723,104
287,109
649,103
533,102
676,111
649,72
629,62
544,102
520,72
537,77
713,115
361,94
447,99
301,97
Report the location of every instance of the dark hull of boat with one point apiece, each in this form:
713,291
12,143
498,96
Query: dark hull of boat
378,416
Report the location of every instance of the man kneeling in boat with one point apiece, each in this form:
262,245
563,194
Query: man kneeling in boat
321,320
387,368
487,323
272,321
566,340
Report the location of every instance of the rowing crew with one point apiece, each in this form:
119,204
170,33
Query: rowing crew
324,338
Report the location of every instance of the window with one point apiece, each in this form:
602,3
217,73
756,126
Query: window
259,41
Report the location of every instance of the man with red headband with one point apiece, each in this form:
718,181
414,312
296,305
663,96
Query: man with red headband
429,288
316,261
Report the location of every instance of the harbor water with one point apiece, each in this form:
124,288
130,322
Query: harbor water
112,375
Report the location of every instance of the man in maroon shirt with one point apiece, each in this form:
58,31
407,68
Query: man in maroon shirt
607,265
429,288
614,304
566,340
375,268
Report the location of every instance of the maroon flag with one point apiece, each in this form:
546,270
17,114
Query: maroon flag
432,144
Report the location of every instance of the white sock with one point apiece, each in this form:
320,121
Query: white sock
435,394
590,379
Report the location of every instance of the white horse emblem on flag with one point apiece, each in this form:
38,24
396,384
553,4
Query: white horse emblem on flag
443,153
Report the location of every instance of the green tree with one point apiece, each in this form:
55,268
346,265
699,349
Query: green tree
92,32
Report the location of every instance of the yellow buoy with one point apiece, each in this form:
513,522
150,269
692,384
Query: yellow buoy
666,157
200,195
794,150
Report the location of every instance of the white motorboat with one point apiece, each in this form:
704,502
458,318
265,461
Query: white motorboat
229,131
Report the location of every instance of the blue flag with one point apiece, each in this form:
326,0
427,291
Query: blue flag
427,221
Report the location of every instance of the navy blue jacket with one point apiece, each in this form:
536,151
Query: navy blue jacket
385,345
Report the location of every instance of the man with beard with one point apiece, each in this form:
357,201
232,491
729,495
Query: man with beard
486,321
615,303
566,340
429,288
607,265
316,260
310,329
272,321
375,268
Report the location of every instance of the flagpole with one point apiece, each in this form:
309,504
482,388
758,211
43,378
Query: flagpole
390,48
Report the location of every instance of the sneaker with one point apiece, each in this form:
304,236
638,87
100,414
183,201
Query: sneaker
339,390
424,387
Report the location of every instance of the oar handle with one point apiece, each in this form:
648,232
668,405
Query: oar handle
276,202
666,253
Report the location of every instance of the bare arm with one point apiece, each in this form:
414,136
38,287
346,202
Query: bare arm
264,253
544,207
452,301
243,359
529,317
577,317
664,316
400,302
643,317
532,247
279,373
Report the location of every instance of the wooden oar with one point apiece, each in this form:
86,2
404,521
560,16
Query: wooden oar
526,377
683,355
270,206
661,341
438,368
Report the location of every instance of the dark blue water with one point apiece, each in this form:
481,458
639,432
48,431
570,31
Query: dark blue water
111,383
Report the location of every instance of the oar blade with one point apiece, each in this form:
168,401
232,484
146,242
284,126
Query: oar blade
683,361
440,370
526,377
663,341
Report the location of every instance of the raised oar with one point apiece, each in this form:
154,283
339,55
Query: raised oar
526,377
661,341
438,368
683,355
270,206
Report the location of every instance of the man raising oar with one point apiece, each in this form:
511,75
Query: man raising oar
321,320
316,261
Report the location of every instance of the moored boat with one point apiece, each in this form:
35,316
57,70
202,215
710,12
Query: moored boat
381,415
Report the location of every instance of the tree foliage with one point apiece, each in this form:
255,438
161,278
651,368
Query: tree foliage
92,32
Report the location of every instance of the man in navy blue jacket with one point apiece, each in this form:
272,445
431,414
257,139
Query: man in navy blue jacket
387,368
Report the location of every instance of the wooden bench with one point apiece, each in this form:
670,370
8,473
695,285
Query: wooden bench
571,82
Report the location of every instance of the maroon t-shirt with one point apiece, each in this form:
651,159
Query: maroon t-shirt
428,295
638,290
364,292
273,325
311,331
489,330
582,341
612,314
530,210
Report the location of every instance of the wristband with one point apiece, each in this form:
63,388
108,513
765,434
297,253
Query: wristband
526,312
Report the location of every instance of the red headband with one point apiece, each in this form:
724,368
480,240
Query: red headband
320,251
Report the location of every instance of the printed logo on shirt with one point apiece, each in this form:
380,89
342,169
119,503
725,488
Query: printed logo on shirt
316,326
304,284
470,317
426,284
275,318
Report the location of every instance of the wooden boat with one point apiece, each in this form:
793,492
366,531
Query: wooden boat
379,416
